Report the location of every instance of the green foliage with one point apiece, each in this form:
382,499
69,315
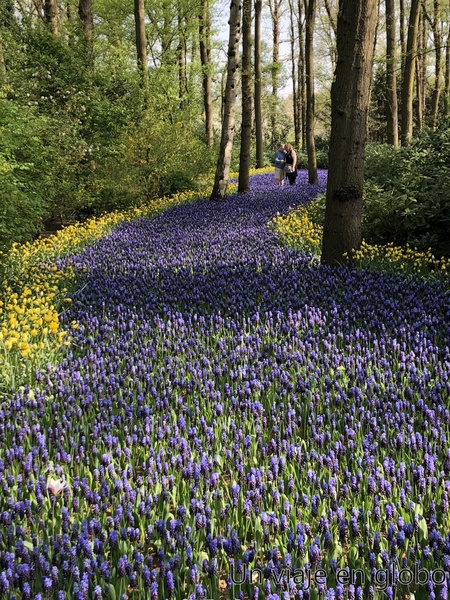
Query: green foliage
407,193
77,137
23,173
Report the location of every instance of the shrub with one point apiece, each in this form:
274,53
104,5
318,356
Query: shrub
407,193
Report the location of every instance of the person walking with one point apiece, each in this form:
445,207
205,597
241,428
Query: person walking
279,160
291,164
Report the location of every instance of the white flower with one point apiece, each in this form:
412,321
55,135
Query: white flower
56,486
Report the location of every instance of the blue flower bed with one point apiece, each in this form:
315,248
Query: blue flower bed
233,421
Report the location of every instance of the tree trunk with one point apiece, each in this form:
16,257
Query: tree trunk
181,59
331,17
310,11
229,103
391,79
51,15
421,67
87,19
274,6
408,74
247,98
437,39
402,36
259,141
2,67
141,41
419,96
205,57
295,102
349,107
447,77
301,74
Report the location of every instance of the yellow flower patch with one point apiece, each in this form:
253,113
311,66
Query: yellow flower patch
35,290
297,230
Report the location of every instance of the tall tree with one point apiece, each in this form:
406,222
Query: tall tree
205,57
437,40
408,73
259,143
447,76
181,58
51,15
220,186
310,12
87,18
247,98
391,78
301,73
141,41
275,13
402,35
349,107
421,68
294,73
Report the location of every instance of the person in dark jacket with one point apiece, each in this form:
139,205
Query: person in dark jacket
291,164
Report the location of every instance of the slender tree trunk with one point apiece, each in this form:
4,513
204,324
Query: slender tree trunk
408,74
437,39
330,17
310,11
349,106
375,38
205,57
294,76
421,67
229,103
86,17
181,59
247,98
274,6
51,15
391,79
419,96
141,42
87,21
402,35
301,74
447,77
2,66
259,141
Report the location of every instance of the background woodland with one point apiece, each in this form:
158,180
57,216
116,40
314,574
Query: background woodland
105,105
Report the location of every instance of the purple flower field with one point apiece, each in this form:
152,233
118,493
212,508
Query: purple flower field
233,421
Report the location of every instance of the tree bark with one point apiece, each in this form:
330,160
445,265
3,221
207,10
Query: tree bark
349,106
205,57
2,66
247,98
259,141
391,79
408,74
51,15
181,60
421,67
447,77
86,18
437,39
141,41
295,102
310,11
402,36
301,74
219,190
274,6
